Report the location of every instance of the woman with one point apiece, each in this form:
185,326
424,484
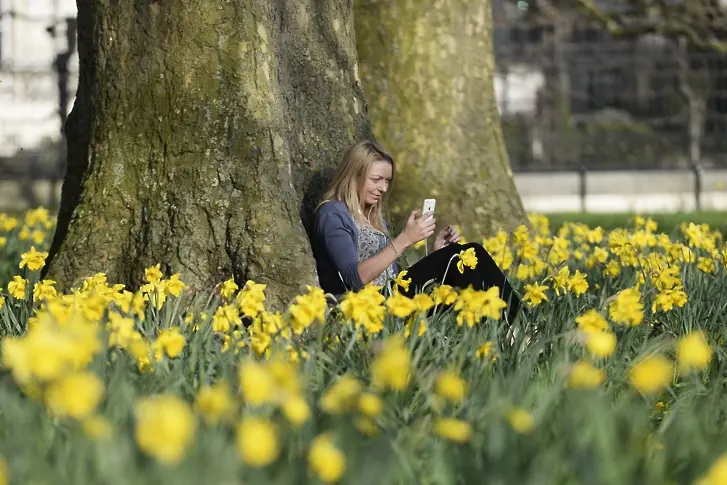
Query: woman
352,248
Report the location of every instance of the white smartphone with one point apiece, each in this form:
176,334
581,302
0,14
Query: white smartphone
428,205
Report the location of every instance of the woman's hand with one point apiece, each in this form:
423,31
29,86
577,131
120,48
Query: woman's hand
418,228
448,235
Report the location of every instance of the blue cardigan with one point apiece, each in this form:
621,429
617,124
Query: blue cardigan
335,249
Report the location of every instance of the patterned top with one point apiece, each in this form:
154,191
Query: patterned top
370,242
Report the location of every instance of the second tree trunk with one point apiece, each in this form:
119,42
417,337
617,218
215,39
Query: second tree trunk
427,68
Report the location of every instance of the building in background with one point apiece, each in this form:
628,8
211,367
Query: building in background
581,112
571,96
37,51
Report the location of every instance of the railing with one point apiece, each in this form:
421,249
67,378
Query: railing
650,190
644,190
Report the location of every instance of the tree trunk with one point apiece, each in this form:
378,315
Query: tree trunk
202,133
427,68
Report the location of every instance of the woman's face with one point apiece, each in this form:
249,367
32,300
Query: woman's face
376,183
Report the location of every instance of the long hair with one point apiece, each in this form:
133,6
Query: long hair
350,177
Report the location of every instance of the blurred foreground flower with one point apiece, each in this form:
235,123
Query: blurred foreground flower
75,395
4,472
256,383
257,442
521,420
48,351
341,396
453,429
392,367
165,427
601,344
584,376
716,474
215,402
449,386
693,352
370,404
97,427
296,410
326,460
651,374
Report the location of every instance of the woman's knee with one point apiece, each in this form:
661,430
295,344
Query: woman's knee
485,261
471,245
480,250
445,252
484,258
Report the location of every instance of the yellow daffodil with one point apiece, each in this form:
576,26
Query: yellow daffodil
467,258
693,352
651,374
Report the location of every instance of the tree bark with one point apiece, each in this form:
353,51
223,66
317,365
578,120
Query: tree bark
427,68
203,132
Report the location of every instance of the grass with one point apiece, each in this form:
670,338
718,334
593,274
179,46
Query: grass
160,385
668,222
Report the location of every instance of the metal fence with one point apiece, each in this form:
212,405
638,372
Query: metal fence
645,191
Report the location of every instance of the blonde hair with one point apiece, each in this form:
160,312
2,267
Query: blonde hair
350,176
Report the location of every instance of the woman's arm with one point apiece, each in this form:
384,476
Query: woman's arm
416,230
338,242
339,245
369,269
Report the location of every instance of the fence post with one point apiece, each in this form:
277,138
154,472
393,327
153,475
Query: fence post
697,186
582,183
